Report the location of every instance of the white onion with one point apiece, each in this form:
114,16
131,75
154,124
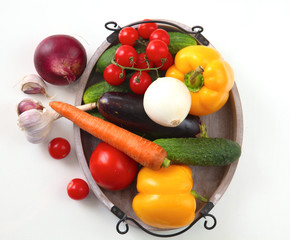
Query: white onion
167,101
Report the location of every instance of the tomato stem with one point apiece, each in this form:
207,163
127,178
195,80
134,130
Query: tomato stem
138,69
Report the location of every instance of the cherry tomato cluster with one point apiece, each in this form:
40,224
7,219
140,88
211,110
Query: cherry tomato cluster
157,56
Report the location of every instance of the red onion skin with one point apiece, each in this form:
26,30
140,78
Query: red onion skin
60,59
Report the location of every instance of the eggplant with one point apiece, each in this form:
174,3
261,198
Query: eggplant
126,110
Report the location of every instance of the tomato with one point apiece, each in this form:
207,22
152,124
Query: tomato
143,62
126,56
128,36
145,29
58,148
156,49
160,34
167,64
111,168
78,189
114,75
139,82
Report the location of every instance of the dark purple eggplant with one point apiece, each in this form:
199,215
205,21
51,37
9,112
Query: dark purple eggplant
126,110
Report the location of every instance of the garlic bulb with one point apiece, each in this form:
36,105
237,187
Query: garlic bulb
36,124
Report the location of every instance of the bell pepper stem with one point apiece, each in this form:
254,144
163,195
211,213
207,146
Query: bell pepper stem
195,73
194,79
198,196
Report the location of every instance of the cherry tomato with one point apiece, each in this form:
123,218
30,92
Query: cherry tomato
160,34
156,49
168,63
58,148
111,168
114,75
128,36
78,189
143,62
145,29
139,82
126,56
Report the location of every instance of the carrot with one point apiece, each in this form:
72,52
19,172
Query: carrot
143,151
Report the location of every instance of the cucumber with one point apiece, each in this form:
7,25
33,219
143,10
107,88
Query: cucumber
94,92
106,58
179,40
126,110
200,151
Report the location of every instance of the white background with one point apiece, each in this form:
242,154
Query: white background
252,35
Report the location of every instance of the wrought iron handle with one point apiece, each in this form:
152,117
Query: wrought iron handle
196,30
124,219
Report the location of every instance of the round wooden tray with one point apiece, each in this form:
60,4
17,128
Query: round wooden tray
208,181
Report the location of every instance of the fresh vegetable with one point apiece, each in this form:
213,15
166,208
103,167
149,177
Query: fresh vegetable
60,59
142,62
27,104
126,110
59,148
114,75
126,56
36,122
106,58
78,189
201,151
94,92
208,77
112,169
167,101
139,82
145,29
165,63
156,50
160,34
33,84
128,36
164,198
143,151
179,40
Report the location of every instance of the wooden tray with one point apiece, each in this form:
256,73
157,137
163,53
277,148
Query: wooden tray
208,181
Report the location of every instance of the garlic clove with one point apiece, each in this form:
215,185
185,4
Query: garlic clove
27,104
33,84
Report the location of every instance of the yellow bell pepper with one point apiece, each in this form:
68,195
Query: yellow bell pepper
165,199
208,77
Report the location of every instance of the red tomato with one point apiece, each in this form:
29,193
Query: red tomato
128,36
111,168
58,148
156,49
78,189
145,29
139,82
143,62
160,34
114,75
126,56
167,64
